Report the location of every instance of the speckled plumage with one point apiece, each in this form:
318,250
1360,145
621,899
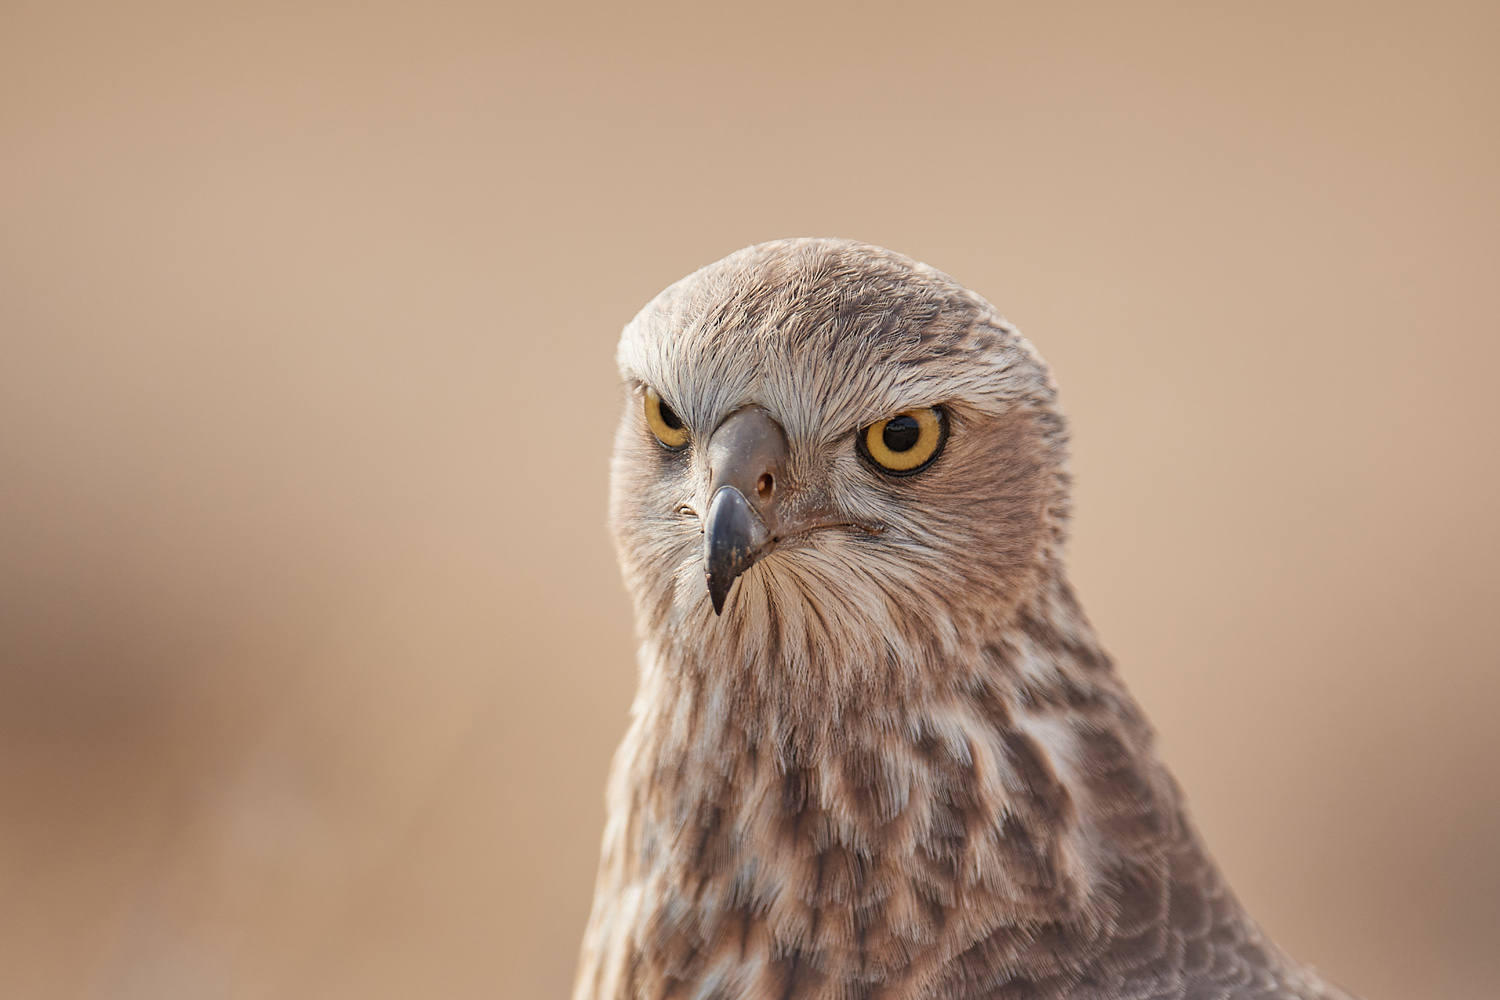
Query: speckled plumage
899,764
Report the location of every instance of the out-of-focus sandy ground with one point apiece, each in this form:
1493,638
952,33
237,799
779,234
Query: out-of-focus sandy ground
312,648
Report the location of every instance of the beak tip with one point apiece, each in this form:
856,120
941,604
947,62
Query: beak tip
734,540
718,590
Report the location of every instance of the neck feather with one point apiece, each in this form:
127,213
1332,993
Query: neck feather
865,825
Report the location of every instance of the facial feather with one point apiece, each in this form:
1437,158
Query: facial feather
826,340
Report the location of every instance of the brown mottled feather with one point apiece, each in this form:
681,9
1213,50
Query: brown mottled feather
899,765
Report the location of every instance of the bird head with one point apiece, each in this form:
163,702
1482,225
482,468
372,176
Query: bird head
831,450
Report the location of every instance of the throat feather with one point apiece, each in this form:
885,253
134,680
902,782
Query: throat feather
899,831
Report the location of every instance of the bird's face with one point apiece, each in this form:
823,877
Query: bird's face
828,450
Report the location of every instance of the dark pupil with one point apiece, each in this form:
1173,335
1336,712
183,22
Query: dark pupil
901,433
669,417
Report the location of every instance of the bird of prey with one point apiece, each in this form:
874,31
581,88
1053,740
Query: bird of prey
876,750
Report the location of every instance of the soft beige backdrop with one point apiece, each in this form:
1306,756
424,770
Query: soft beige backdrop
312,648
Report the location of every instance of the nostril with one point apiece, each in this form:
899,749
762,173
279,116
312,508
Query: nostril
764,485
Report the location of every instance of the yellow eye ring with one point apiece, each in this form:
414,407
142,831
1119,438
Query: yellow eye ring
664,421
906,443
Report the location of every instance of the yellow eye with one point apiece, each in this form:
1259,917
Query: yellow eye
664,421
906,443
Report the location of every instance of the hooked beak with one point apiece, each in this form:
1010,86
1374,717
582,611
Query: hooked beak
735,538
746,457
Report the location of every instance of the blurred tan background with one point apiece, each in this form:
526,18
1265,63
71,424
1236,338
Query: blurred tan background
312,649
